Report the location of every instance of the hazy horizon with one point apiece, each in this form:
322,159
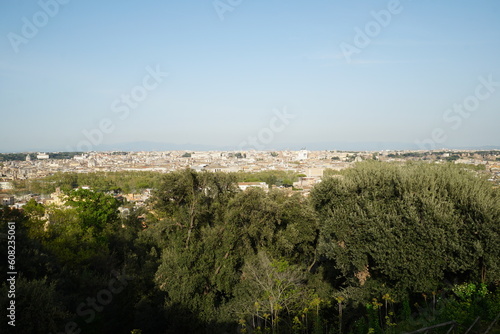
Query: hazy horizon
353,147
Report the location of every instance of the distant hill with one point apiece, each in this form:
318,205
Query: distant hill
313,146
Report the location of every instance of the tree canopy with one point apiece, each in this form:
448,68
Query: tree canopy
411,226
377,248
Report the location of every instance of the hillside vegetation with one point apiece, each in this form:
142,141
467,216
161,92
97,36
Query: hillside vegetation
378,248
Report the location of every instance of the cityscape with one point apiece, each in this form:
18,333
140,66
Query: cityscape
311,165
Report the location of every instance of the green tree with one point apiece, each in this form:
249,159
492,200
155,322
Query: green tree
80,233
273,290
408,227
229,227
38,306
96,210
34,209
189,200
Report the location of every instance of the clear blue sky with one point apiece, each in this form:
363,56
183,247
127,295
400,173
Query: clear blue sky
226,76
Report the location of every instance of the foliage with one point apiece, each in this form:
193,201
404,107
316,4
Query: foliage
469,301
34,209
22,156
378,248
38,306
212,228
79,233
12,156
272,292
96,210
408,227
272,177
125,181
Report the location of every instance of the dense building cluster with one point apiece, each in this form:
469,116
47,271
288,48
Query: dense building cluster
310,165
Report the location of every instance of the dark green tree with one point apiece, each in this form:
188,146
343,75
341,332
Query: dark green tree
406,228
95,210
38,307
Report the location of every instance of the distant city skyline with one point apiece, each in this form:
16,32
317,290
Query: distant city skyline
164,147
249,75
